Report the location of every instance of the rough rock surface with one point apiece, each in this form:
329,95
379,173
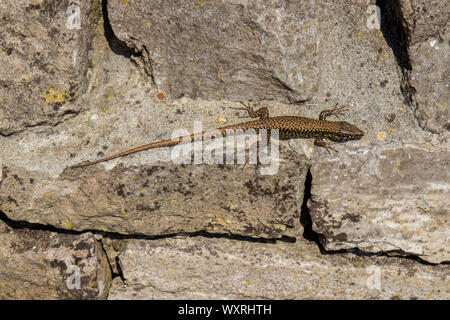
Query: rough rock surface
430,77
43,60
385,198
423,32
160,199
219,268
37,264
385,192
233,50
146,193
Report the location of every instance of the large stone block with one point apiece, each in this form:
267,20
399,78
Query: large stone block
220,268
384,198
233,50
418,31
43,60
37,264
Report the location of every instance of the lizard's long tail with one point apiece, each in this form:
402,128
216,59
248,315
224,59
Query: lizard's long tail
158,144
165,143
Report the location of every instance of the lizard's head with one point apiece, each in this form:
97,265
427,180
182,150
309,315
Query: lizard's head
348,131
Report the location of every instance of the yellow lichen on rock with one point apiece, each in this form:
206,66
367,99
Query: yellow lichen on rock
53,95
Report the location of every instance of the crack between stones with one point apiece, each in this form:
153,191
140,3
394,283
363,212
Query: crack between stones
34,125
68,114
18,225
305,219
115,44
312,236
15,224
141,59
396,34
111,269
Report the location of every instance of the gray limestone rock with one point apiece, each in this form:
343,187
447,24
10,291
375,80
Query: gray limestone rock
160,198
219,268
37,264
384,198
235,50
43,60
419,32
385,192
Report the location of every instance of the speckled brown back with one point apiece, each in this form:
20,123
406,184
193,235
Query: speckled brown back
292,127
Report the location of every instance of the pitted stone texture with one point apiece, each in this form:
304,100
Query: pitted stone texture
220,268
145,193
46,265
424,18
125,110
233,50
161,199
388,197
422,41
43,60
430,77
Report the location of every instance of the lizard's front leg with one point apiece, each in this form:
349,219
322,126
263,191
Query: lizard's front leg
335,111
325,144
262,113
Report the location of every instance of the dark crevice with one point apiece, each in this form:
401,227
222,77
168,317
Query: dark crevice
305,217
243,238
42,123
140,58
119,270
305,220
63,117
116,45
396,34
19,225
117,236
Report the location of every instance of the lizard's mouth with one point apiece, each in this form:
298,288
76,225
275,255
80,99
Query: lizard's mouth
359,133
349,131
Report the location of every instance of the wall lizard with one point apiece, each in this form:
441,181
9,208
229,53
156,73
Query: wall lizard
289,127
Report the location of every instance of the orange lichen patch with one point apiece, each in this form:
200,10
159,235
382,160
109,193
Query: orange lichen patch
53,95
160,96
381,136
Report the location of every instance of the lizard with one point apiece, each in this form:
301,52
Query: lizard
289,127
